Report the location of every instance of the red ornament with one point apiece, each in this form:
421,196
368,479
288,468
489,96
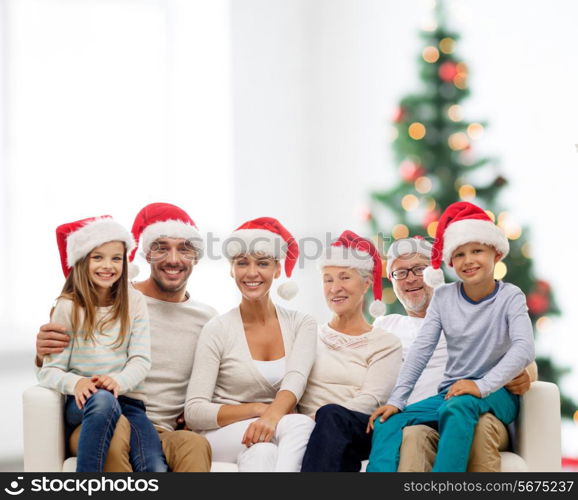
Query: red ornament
399,115
542,287
448,71
538,303
429,217
410,171
366,215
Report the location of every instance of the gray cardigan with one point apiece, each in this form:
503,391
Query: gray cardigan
224,372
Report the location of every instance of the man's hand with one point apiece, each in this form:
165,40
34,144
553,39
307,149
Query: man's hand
106,382
83,389
521,384
385,412
462,387
51,338
181,424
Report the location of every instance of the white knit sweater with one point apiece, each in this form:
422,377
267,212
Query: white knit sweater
354,371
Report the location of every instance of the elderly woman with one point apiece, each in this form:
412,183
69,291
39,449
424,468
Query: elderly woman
356,365
251,364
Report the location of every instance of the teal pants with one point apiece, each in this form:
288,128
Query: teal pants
455,420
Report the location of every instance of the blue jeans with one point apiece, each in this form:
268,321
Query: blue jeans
456,420
99,417
338,442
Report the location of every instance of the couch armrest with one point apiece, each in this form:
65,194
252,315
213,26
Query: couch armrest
44,447
539,440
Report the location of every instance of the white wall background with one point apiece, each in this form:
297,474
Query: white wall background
244,108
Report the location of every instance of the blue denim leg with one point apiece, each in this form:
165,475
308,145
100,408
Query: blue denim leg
98,417
387,436
338,442
458,417
146,451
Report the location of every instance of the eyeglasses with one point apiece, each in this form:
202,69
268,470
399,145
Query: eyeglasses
401,274
160,252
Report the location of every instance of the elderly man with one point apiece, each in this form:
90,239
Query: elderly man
172,245
406,261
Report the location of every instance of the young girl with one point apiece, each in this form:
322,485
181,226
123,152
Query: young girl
102,368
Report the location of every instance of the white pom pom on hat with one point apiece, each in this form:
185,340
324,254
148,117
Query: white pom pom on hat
433,277
288,290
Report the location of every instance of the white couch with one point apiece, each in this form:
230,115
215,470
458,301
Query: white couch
536,448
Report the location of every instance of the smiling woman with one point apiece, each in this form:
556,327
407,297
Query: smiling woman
356,364
252,363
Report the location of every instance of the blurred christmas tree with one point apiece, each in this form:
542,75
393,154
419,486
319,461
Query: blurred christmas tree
438,166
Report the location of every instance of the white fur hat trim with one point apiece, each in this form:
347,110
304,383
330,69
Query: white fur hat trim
473,230
342,256
171,229
97,232
254,241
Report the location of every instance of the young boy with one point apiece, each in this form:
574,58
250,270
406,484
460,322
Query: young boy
489,338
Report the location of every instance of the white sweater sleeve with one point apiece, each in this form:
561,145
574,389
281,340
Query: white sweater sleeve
139,346
55,373
200,411
302,356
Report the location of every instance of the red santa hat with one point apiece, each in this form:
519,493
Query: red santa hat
163,220
77,239
462,223
351,250
266,236
407,246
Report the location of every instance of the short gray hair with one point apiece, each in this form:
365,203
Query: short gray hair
407,246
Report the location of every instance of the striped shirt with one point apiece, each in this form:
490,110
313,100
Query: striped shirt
128,363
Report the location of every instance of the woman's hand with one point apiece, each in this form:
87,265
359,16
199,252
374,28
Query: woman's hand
106,382
385,411
260,431
462,387
83,389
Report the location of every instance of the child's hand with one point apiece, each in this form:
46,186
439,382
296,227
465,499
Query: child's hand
106,382
385,411
462,387
83,389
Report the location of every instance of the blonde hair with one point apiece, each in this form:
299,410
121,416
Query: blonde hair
80,290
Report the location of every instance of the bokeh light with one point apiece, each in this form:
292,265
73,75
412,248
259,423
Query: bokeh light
431,229
416,131
430,54
467,192
458,141
423,185
400,231
409,202
500,271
